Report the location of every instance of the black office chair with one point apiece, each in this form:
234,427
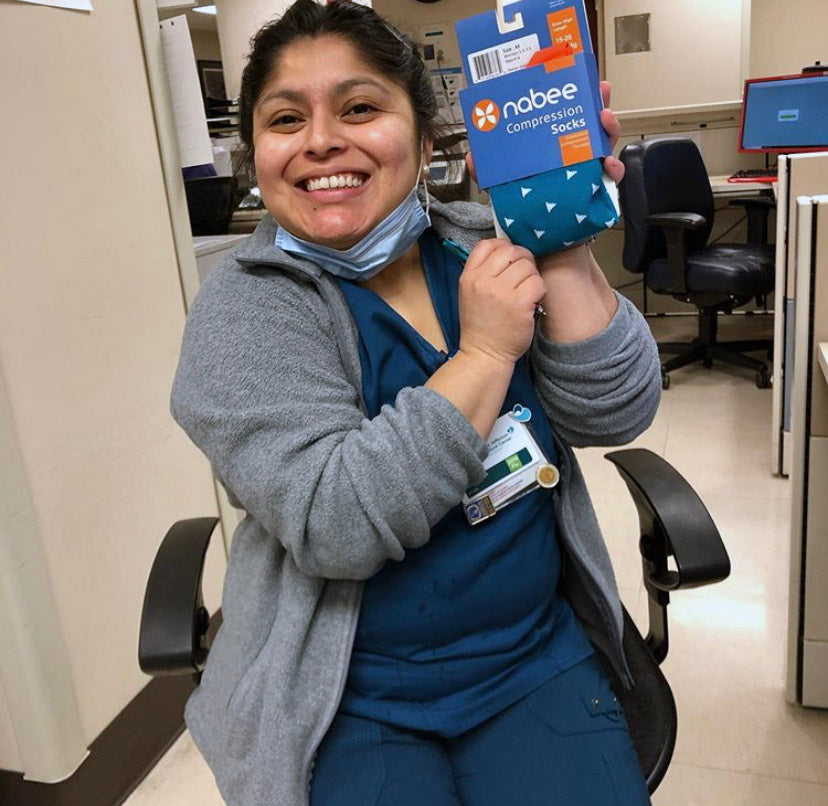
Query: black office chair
210,203
667,206
674,523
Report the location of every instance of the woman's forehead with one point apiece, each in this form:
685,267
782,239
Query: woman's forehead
328,60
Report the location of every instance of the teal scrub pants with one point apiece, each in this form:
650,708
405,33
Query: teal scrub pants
565,744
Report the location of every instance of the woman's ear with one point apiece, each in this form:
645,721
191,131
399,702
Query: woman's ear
428,150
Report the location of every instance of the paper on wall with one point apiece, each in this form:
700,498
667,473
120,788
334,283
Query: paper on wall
76,5
194,144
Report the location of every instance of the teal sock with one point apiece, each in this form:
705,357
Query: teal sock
553,210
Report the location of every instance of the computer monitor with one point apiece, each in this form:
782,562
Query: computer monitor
785,114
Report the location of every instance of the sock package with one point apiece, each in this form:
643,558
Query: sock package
532,110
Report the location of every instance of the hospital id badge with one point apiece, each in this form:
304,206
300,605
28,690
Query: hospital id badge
515,466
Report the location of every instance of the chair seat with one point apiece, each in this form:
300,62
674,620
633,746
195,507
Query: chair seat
723,268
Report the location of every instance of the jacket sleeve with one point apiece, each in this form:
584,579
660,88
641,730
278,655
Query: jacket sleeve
603,390
260,388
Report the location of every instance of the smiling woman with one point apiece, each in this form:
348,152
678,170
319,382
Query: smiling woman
343,372
312,128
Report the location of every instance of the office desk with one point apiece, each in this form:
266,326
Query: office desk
721,187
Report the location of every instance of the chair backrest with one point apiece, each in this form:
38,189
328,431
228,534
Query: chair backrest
664,175
649,706
210,203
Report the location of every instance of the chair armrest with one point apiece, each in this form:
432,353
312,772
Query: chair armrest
674,226
677,220
758,209
174,620
674,522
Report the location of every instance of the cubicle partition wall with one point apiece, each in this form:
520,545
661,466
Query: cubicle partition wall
807,661
799,175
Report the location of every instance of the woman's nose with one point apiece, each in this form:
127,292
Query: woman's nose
323,137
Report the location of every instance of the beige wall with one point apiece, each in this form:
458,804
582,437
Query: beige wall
787,36
205,45
695,54
91,315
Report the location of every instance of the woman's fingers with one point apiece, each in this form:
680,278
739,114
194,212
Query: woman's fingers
482,250
606,92
495,255
613,167
470,166
611,126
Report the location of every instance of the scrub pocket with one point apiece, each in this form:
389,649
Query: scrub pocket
580,707
349,768
579,700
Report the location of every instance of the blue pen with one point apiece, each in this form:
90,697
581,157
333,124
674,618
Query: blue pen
455,249
463,253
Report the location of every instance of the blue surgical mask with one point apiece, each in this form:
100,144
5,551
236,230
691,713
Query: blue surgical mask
389,240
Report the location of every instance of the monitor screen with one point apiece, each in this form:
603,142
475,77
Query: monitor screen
785,114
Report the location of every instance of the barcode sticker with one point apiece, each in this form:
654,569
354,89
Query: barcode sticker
501,59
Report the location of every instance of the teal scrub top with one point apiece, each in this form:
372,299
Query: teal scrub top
471,622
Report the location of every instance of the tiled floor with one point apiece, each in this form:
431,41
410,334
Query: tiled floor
739,742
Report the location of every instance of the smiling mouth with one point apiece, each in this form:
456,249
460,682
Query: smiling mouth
333,182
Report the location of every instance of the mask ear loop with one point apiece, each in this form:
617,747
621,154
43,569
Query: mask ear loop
423,172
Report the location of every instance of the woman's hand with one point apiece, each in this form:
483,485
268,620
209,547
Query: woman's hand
613,167
500,288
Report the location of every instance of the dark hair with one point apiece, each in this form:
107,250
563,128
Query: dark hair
391,52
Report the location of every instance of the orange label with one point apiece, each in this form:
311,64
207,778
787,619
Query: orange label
486,115
575,147
563,27
559,64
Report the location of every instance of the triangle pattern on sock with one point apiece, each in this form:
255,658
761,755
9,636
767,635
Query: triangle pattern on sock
524,192
508,221
594,188
610,223
550,206
539,233
579,218
570,174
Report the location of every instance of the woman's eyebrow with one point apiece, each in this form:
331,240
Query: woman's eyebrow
342,88
346,86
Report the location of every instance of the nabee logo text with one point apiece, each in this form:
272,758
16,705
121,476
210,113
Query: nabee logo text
486,113
538,100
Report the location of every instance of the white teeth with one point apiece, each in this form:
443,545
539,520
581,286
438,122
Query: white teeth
336,181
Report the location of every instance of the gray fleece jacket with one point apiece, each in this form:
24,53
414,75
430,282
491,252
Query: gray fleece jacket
269,388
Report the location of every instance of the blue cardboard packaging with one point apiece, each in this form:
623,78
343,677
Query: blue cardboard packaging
535,131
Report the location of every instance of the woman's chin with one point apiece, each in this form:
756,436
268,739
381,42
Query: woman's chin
339,236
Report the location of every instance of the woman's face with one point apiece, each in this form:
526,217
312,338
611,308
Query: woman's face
336,148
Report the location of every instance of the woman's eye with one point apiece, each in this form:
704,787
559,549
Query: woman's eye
285,120
361,109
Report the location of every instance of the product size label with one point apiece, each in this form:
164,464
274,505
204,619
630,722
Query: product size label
501,59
